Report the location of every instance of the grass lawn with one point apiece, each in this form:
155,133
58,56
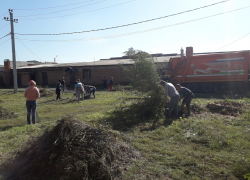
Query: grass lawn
203,146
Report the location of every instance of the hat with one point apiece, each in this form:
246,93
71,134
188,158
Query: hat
32,82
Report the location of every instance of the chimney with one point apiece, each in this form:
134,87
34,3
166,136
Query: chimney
182,52
189,51
7,71
7,65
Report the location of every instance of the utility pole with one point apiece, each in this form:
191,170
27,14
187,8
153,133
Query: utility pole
13,47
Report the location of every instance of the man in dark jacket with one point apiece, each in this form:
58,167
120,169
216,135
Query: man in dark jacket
105,82
111,84
187,96
58,89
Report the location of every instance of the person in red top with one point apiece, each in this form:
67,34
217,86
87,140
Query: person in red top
31,94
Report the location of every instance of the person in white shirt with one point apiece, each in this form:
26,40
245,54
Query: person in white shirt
171,91
79,88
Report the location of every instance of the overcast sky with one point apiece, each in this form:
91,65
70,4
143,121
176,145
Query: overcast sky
48,17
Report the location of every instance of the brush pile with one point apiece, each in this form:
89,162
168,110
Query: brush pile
226,108
7,114
72,150
46,93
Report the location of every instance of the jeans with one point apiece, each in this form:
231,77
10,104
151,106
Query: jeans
187,101
174,105
93,91
58,94
31,109
78,95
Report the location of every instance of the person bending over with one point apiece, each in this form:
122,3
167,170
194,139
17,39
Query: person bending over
92,90
187,96
174,95
79,89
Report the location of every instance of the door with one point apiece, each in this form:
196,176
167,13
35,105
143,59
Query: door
45,78
19,79
72,77
33,76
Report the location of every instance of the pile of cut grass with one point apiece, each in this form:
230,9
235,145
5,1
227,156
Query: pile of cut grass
226,107
7,114
72,150
46,92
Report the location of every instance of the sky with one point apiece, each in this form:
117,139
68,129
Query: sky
225,32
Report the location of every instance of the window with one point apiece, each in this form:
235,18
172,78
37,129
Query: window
86,73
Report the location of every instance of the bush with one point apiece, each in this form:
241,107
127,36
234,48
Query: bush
147,101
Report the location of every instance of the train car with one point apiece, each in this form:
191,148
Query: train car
209,72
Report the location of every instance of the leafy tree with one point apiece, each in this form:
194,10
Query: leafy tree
144,102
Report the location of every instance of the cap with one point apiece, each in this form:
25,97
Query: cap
32,82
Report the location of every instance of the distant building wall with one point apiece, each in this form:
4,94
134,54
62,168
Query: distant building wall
25,78
88,75
2,79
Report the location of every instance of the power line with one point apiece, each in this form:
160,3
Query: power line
27,48
131,23
64,10
53,6
4,42
4,26
3,14
232,42
143,31
5,36
83,12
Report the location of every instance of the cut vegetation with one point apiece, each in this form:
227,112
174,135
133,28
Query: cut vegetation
72,150
124,135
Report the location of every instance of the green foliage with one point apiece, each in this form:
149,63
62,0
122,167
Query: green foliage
144,103
143,76
247,176
202,146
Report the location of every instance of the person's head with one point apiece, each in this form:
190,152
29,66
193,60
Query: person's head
178,87
78,80
163,83
111,78
32,83
63,78
59,81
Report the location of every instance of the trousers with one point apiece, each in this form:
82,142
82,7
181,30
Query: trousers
174,105
31,110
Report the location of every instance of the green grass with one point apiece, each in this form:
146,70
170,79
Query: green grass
203,146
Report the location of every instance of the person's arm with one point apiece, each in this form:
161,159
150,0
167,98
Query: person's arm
38,93
180,98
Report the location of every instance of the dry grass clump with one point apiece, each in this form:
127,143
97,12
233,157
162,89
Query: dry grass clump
46,93
7,114
72,150
226,108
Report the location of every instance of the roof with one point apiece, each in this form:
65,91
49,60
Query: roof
94,63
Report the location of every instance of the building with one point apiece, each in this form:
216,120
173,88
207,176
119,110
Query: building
87,72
